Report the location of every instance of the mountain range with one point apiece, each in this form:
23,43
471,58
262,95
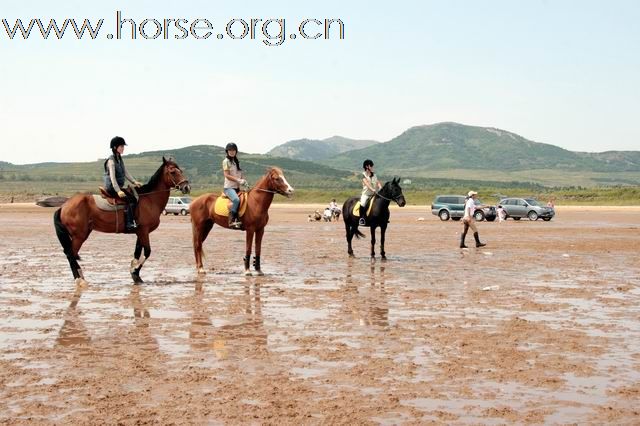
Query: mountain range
430,155
315,150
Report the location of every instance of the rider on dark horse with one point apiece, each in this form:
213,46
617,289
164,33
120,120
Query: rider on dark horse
370,185
115,174
232,181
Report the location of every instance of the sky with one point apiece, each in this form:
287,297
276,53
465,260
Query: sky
561,72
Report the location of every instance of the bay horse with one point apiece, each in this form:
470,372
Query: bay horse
379,216
80,215
254,220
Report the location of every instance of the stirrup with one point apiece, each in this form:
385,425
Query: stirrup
362,222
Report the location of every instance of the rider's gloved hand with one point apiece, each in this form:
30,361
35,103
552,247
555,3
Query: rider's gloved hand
137,184
121,194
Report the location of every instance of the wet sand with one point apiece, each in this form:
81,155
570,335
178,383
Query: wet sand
324,339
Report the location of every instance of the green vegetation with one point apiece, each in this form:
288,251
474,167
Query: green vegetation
314,150
443,158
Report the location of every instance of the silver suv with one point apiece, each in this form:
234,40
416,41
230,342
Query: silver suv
177,205
517,208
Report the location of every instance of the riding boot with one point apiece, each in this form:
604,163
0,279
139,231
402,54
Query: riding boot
462,237
130,218
363,213
232,220
478,243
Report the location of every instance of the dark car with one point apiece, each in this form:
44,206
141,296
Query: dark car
518,208
452,206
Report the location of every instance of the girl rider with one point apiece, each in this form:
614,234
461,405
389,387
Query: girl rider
115,174
232,181
370,185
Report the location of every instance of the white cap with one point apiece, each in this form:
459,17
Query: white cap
472,193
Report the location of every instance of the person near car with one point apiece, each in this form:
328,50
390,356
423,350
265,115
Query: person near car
232,181
502,215
468,220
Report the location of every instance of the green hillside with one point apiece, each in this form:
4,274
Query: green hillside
314,150
446,149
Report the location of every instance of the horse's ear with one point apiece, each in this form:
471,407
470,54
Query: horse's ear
396,180
164,160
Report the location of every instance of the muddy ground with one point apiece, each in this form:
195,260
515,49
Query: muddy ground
323,338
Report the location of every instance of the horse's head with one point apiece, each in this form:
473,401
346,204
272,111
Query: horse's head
392,191
278,183
173,176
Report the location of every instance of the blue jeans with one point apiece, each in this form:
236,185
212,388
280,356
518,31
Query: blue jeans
233,196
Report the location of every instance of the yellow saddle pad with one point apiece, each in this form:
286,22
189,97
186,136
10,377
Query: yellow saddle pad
356,208
221,208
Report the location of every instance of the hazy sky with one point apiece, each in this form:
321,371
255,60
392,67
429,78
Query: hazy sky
560,72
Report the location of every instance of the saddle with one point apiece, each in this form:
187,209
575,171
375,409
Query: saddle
223,205
356,208
114,201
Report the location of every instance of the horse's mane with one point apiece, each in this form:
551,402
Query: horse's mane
155,179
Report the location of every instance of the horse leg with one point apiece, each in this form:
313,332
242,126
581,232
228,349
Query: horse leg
383,230
142,243
247,252
200,233
349,239
373,242
71,247
256,263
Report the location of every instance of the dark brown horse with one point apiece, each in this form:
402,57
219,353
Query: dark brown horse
379,216
80,215
255,218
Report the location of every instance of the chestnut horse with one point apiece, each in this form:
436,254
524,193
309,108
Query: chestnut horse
379,216
80,215
255,218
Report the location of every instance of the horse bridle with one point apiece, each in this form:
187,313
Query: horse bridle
389,199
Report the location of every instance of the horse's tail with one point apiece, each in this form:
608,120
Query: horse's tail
62,232
357,233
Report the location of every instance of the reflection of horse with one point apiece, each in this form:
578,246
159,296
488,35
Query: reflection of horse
368,304
73,331
259,198
246,333
379,216
80,215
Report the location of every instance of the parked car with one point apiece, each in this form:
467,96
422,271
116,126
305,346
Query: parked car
517,208
177,205
452,207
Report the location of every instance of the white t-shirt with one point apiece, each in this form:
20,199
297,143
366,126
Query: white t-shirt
469,208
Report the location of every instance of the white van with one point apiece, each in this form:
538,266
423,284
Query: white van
177,205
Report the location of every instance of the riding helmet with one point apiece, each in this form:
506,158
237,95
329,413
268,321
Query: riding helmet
231,146
116,142
366,163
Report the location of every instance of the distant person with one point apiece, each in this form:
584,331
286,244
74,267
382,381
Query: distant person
327,214
309,219
552,203
115,174
502,214
370,185
317,216
468,220
232,181
333,205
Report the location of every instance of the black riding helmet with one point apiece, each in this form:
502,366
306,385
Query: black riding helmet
366,163
116,142
231,146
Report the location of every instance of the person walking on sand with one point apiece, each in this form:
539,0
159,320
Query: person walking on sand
468,221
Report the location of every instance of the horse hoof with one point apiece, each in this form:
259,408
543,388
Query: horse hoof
201,271
383,258
81,282
247,273
137,279
259,273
